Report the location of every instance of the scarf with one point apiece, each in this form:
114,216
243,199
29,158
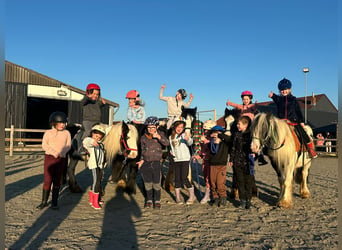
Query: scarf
214,147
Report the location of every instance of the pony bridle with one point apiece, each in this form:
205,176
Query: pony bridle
127,149
266,142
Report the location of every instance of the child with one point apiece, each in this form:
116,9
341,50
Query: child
95,162
92,104
240,160
136,110
219,149
56,144
91,114
248,108
180,142
149,164
205,155
288,109
174,104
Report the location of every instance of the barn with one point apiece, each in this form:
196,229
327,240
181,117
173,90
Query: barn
31,97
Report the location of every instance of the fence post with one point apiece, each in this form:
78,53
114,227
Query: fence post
11,140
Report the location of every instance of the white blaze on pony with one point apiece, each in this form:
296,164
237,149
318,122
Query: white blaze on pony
119,141
276,135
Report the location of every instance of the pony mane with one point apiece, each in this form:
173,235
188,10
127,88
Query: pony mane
112,140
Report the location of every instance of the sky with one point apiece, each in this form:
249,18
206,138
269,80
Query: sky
213,49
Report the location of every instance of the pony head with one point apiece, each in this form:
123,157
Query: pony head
189,114
122,139
230,115
260,131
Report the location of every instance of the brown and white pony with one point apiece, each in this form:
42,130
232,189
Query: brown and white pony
278,138
121,145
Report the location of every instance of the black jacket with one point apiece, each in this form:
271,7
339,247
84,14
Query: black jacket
288,108
221,157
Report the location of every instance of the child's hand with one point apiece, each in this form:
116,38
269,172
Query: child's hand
197,157
228,103
230,164
140,163
156,135
191,96
95,144
270,94
103,101
163,86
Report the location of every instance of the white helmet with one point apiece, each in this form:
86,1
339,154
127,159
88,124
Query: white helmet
99,128
208,124
179,119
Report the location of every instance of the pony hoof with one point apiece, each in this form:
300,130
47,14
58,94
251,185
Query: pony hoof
284,204
305,195
121,184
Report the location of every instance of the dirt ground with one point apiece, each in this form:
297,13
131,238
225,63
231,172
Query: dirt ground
123,223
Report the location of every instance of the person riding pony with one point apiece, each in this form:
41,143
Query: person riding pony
288,109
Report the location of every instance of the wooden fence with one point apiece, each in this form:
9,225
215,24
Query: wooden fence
24,145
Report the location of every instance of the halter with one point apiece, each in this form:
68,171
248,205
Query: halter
267,141
125,146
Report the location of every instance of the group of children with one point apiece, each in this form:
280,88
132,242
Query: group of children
215,147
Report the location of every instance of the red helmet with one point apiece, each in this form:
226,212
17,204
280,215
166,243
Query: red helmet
132,94
247,93
93,86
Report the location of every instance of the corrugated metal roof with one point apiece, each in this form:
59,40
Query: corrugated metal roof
19,74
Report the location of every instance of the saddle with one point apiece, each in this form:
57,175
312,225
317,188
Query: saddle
300,147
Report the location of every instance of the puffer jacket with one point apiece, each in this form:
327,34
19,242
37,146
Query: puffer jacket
288,108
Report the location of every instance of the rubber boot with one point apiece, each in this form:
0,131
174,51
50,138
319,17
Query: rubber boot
206,197
45,197
192,196
91,197
55,194
179,199
96,201
311,150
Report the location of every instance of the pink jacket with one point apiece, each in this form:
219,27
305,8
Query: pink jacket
247,110
56,143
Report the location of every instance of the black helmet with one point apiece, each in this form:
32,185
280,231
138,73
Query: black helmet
284,84
58,117
152,120
183,93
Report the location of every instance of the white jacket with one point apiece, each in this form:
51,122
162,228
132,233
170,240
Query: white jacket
96,154
179,148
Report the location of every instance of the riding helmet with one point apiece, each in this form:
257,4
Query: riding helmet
58,116
132,94
209,124
179,119
183,93
152,121
217,128
284,84
247,93
91,86
99,128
